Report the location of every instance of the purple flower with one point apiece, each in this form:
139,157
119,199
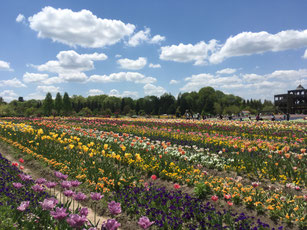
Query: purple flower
51,184
17,185
144,222
111,224
96,196
25,177
69,193
49,203
114,208
66,184
75,183
23,206
79,196
60,175
76,221
38,188
83,211
59,213
41,181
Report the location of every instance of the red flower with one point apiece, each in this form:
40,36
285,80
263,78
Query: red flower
154,177
21,167
227,197
21,160
229,203
214,198
15,164
176,186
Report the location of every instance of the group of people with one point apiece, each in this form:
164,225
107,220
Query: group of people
273,118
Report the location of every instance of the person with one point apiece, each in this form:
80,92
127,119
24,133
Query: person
273,117
257,117
285,116
288,116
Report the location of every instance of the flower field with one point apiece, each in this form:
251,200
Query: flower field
175,174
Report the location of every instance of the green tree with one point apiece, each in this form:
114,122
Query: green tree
48,104
58,104
67,108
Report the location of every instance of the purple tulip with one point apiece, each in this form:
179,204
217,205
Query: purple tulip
79,196
49,203
76,221
38,188
68,193
51,184
25,177
23,206
75,183
17,185
59,213
145,223
41,181
114,208
111,224
96,196
60,175
66,184
83,211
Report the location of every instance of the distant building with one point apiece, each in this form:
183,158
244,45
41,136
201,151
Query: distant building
295,101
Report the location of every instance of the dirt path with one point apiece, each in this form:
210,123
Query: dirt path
58,194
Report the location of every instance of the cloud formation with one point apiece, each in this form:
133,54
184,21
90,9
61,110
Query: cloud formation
150,89
130,64
121,77
94,92
80,28
154,66
12,83
226,71
8,95
5,66
20,18
144,36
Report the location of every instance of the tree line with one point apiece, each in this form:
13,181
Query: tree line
206,101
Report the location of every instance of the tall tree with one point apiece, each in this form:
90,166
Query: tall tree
66,104
58,104
48,104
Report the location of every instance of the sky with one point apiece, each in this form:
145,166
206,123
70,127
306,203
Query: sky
135,48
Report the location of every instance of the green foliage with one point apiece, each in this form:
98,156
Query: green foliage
67,108
48,104
58,103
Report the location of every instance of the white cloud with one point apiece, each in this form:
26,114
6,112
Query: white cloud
288,75
36,96
226,71
150,89
114,92
118,56
248,43
48,89
73,77
34,77
154,66
5,66
305,54
12,83
132,94
253,77
197,53
71,61
8,95
126,63
144,36
173,82
122,76
94,92
20,18
80,28
53,80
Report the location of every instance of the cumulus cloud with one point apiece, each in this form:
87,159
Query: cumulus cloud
8,95
5,66
12,83
197,53
173,82
144,36
20,18
80,28
226,71
248,43
34,77
150,89
48,89
116,93
305,54
94,92
137,64
122,76
154,66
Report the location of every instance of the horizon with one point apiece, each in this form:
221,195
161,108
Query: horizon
254,50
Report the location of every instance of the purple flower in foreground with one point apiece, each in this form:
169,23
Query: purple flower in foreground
111,224
83,211
79,196
76,221
23,206
25,177
68,193
17,185
60,175
38,188
49,203
144,222
66,184
75,183
51,184
114,208
96,196
59,213
41,181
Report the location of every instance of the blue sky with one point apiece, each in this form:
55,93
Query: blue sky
253,49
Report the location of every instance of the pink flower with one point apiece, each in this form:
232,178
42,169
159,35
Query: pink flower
297,188
154,177
229,203
227,196
177,186
23,206
145,223
17,185
111,224
214,198
25,177
21,160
